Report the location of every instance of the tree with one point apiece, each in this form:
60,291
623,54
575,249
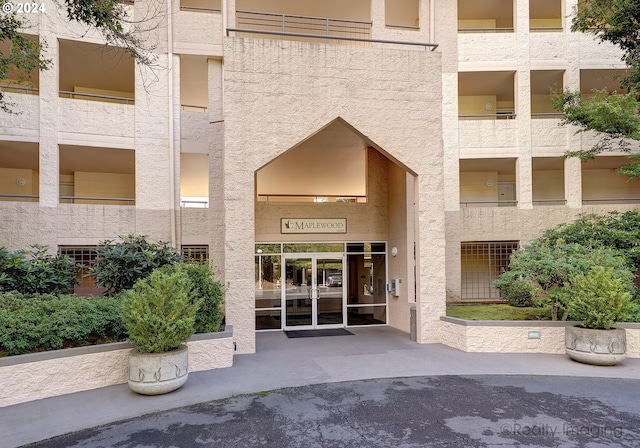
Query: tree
616,116
109,17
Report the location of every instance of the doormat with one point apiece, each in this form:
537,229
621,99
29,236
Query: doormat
318,333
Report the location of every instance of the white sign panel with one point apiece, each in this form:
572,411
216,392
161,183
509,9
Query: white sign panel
319,225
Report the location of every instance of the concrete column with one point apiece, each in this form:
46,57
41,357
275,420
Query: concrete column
573,182
522,98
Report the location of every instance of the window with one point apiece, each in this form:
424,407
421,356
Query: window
85,256
196,252
482,263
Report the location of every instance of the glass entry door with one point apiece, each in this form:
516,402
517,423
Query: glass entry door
314,291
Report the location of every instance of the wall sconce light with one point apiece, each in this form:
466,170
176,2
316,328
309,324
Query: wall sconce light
394,251
489,183
21,182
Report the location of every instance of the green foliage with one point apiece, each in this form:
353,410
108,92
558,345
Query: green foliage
119,265
615,230
23,55
35,271
160,312
548,267
616,116
49,322
518,293
599,298
210,291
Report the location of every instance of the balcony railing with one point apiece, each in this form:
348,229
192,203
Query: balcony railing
330,30
19,197
505,116
505,203
485,30
611,201
549,202
194,108
15,88
311,198
96,97
73,199
555,115
545,29
198,9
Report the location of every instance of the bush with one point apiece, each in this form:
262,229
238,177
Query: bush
518,293
203,286
159,311
119,265
35,271
600,298
50,322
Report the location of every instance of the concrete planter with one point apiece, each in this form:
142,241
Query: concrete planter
596,347
47,374
158,373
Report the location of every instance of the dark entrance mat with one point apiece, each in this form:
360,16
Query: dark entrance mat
318,333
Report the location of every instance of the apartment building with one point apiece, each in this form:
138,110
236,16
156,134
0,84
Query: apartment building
338,162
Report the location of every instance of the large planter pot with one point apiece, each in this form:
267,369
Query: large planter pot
158,373
596,347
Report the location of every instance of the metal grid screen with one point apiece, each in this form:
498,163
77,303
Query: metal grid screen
482,263
195,252
85,256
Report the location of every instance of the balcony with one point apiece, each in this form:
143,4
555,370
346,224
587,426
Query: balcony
488,16
95,73
91,175
488,182
194,180
548,181
601,184
545,16
19,81
19,180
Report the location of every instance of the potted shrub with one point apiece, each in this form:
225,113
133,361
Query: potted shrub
599,299
159,316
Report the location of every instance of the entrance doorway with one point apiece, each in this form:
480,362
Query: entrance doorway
314,291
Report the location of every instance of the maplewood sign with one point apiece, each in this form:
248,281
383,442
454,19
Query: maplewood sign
320,225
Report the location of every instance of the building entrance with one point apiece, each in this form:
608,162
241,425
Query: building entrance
313,292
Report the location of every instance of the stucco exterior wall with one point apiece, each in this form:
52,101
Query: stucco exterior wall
278,93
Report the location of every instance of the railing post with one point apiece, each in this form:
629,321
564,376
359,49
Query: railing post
283,25
327,29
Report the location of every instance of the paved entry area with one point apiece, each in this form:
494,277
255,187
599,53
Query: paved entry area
432,411
330,363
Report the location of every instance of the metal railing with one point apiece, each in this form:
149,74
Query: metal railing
13,88
286,23
199,9
508,116
73,199
311,198
485,30
611,201
549,202
308,27
191,107
547,115
506,203
93,96
403,27
545,29
19,196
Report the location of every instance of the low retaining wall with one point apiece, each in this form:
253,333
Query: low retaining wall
508,336
47,374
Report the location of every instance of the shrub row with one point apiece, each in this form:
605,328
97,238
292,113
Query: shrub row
49,322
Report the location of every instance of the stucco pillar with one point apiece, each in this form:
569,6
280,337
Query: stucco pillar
573,182
49,160
522,98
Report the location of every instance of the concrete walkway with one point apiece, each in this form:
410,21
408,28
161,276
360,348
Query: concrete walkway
380,352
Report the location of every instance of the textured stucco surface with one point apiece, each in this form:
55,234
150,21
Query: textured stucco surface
513,337
279,93
29,381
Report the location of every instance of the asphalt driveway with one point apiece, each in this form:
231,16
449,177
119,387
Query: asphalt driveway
424,411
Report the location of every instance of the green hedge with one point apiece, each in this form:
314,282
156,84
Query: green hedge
49,322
